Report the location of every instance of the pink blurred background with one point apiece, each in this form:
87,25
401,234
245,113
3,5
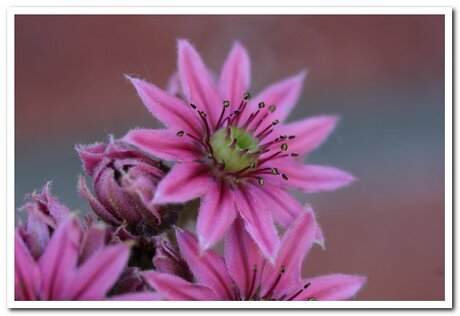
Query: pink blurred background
384,75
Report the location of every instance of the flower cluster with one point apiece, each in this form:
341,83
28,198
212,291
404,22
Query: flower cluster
232,154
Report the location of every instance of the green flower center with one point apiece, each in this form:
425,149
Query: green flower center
235,148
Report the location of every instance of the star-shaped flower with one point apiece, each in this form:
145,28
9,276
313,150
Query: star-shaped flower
234,151
244,274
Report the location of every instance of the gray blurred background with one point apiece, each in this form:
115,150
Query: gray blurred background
384,75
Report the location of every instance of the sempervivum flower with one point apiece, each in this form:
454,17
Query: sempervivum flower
75,265
124,181
243,274
239,156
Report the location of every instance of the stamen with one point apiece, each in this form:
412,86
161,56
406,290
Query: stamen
272,108
272,288
275,171
193,106
284,147
298,292
253,282
180,133
246,96
285,177
261,182
226,105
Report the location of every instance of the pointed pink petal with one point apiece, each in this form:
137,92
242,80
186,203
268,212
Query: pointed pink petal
208,267
283,94
217,212
196,81
295,244
177,289
139,296
334,287
95,277
313,178
258,221
171,111
184,182
26,272
164,144
309,133
243,259
59,260
235,75
284,208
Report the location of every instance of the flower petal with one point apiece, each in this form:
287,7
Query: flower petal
258,221
95,205
235,75
98,274
217,212
170,110
164,144
309,133
334,287
284,208
26,272
284,95
59,260
196,81
207,267
177,289
295,244
313,178
243,259
184,182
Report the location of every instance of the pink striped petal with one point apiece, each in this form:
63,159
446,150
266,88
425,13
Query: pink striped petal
235,75
59,260
284,208
313,178
334,287
177,289
184,182
26,272
196,82
95,277
258,221
243,259
139,296
217,212
170,110
309,133
295,244
284,95
208,267
164,144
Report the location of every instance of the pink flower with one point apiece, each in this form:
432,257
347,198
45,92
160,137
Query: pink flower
243,274
76,264
124,181
240,157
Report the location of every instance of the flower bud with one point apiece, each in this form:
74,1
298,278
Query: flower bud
124,183
44,213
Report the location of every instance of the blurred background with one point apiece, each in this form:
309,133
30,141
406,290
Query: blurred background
384,75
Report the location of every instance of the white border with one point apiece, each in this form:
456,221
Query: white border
275,10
